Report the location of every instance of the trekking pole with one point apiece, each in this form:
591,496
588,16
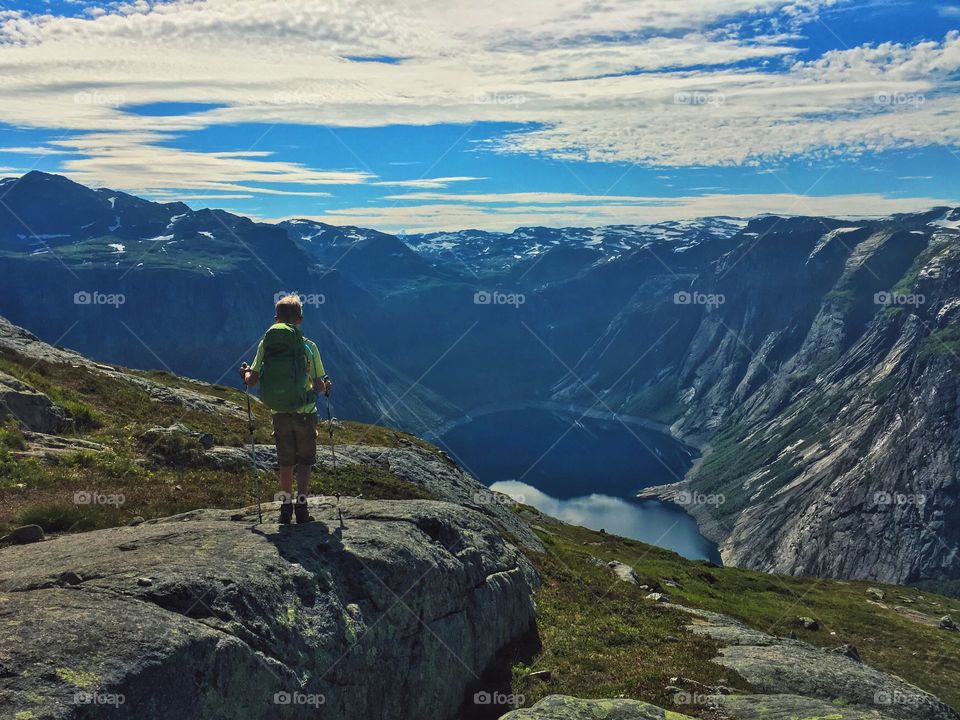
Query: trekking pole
253,452
333,452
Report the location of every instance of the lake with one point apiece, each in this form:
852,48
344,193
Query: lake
583,470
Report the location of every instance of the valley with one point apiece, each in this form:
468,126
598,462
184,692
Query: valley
813,359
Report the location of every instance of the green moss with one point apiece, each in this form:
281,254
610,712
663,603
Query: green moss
79,678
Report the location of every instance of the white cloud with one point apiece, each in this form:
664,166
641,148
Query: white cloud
134,162
489,215
426,183
37,151
613,81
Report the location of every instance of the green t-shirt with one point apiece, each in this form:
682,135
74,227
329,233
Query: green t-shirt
314,368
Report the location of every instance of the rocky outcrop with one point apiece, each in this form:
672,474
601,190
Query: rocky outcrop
207,615
790,680
795,677
32,409
561,707
429,470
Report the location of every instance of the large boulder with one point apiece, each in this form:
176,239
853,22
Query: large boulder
392,613
32,409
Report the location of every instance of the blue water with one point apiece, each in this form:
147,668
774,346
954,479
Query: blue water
584,471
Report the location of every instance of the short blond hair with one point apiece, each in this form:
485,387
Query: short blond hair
289,309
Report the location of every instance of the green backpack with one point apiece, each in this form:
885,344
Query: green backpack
284,383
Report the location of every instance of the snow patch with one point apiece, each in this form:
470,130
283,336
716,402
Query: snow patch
118,247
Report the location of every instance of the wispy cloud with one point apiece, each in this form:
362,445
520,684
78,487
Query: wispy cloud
432,217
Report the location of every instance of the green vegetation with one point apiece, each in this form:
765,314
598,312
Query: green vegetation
156,474
737,452
11,436
659,402
842,298
941,343
176,255
601,638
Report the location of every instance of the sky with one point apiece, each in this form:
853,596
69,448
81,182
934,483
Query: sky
426,115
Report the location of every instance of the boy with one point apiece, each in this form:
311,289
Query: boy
294,409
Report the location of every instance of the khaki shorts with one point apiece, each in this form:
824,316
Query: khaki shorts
296,438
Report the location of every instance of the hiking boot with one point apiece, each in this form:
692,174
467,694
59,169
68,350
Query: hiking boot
303,514
286,513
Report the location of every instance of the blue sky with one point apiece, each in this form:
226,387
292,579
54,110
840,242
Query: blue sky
429,115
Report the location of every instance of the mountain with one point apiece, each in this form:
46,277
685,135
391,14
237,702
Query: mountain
812,359
137,580
159,285
490,253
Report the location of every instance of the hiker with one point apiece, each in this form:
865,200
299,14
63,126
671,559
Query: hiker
290,373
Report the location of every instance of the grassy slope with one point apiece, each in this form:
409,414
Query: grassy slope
602,639
599,637
116,413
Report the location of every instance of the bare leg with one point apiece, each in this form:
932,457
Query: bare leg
286,479
303,480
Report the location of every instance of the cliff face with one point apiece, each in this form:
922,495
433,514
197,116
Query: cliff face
830,407
393,613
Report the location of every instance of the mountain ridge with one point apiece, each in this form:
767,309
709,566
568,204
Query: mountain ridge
756,336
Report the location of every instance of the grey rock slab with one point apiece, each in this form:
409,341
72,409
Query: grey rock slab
31,408
779,666
391,614
562,707
790,707
423,468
